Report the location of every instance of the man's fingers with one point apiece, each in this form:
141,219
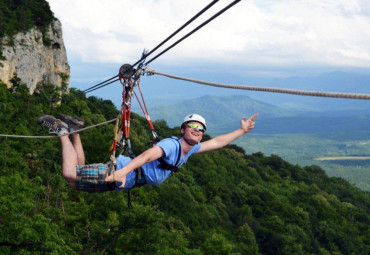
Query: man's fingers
109,178
254,116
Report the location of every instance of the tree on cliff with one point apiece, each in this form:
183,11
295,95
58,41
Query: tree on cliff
22,15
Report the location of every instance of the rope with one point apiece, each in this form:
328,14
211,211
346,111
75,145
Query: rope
267,89
46,137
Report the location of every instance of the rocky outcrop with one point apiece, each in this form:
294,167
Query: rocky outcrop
35,57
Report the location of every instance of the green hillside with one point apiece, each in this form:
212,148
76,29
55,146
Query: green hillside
305,149
221,112
223,202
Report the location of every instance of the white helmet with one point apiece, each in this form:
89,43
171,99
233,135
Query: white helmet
194,117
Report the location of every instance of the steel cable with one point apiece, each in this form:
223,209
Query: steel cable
194,30
104,83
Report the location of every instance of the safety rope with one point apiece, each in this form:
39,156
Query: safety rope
145,111
267,89
70,133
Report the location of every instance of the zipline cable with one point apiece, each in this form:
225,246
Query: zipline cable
95,87
194,30
101,86
46,137
104,83
266,89
178,30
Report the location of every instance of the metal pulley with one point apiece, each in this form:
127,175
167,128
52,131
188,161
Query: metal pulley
126,71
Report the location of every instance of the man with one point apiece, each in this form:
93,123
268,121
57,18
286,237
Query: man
157,163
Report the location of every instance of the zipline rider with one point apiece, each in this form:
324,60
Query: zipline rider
157,163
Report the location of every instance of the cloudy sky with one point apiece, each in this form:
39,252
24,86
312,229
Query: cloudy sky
266,37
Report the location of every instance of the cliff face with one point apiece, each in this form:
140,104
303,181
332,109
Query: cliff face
32,60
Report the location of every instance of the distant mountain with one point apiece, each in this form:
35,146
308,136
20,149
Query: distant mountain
223,114
334,81
307,124
328,82
164,91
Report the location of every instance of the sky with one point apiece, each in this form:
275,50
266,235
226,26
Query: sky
261,38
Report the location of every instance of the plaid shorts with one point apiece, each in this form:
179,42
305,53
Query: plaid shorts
90,178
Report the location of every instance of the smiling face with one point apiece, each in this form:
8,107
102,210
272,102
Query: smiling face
192,135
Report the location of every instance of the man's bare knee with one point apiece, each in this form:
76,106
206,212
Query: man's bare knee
70,178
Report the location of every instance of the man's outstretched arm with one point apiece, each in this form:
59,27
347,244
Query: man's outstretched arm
220,141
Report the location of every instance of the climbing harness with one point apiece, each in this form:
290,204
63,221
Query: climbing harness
130,79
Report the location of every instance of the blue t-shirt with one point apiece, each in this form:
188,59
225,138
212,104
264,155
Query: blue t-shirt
152,173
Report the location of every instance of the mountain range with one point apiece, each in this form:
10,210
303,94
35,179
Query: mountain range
159,90
223,114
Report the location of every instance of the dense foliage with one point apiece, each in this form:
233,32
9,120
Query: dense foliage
21,15
222,202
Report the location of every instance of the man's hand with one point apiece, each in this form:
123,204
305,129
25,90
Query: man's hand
117,176
147,156
225,139
248,124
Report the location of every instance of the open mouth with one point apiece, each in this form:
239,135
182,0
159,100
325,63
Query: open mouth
197,134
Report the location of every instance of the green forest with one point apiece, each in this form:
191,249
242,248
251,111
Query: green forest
20,16
221,202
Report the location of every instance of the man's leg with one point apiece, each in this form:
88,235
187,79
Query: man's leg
69,160
72,151
77,145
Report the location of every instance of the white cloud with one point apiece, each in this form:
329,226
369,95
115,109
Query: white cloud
260,32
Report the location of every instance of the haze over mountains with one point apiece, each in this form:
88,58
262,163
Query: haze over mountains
171,100
159,90
223,114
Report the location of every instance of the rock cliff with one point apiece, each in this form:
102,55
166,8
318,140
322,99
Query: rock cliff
35,57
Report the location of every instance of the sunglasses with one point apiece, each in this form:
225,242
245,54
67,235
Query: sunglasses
199,127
